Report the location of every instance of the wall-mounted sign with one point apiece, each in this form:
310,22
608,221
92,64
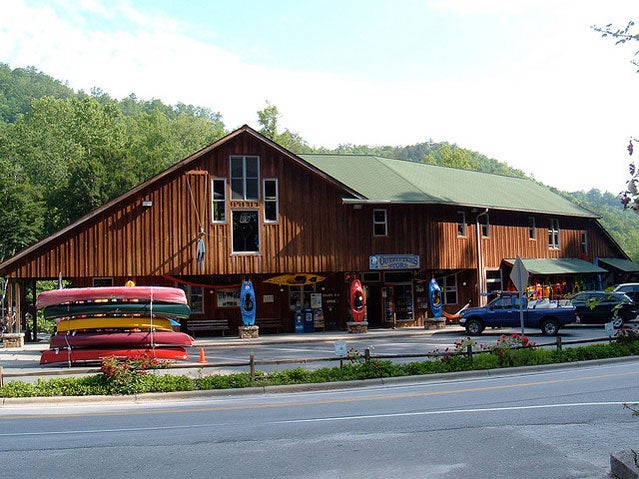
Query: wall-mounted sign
393,261
268,298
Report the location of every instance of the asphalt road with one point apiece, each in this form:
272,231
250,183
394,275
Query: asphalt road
554,424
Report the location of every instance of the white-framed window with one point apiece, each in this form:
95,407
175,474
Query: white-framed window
553,234
532,228
485,226
246,231
584,242
380,222
271,201
245,177
461,223
218,193
449,288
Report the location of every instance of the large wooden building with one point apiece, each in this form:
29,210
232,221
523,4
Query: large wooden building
246,207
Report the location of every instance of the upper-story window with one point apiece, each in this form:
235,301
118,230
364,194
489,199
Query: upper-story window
270,200
380,223
485,226
461,223
584,242
218,193
245,177
532,228
553,234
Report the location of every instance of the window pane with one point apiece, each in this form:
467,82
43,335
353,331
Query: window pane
237,167
237,188
379,216
270,191
251,189
251,167
218,189
219,211
270,211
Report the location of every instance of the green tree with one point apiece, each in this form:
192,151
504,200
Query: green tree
268,118
22,210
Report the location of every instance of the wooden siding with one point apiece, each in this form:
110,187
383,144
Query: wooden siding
315,231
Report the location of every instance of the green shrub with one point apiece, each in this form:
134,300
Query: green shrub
137,376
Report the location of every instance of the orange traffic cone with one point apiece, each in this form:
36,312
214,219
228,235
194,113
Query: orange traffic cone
202,357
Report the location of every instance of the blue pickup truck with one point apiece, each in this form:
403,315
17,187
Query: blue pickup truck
503,312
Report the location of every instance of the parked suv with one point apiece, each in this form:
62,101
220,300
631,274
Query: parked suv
602,307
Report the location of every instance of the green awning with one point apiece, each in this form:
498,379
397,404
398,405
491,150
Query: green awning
543,266
623,265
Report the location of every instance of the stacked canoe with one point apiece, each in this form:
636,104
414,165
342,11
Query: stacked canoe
121,321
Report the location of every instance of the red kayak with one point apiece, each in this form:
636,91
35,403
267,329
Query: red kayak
357,301
132,339
75,355
161,294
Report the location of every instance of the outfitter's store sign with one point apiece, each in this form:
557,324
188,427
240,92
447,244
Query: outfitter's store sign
393,261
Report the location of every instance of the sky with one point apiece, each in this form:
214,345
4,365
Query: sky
526,82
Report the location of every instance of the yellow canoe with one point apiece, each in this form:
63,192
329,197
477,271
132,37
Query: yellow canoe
145,324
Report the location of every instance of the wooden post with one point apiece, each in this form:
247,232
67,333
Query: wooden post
469,352
1,377
367,355
252,363
558,343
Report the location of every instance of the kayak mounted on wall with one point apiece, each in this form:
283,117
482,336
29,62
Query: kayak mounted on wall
357,301
247,303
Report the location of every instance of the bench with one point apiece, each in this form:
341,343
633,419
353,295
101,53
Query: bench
197,324
269,323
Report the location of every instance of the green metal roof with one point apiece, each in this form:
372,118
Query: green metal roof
624,265
542,266
382,180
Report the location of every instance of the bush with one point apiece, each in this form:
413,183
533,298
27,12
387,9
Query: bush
138,376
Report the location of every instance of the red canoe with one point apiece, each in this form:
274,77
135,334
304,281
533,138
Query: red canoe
131,339
75,355
162,294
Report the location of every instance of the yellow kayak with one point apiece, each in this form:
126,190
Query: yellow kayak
145,324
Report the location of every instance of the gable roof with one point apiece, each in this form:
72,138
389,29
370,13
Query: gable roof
371,179
382,180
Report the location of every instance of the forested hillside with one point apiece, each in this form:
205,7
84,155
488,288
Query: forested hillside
63,153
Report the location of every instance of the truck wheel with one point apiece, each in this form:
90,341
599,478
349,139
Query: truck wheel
550,327
474,327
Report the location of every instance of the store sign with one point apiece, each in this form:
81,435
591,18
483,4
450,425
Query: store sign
393,261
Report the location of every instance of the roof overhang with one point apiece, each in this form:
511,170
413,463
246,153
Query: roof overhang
551,266
623,265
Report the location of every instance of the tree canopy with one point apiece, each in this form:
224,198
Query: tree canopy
64,153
